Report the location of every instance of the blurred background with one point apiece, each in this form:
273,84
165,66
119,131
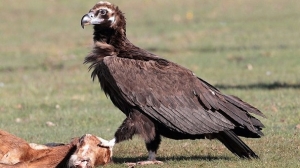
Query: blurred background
246,48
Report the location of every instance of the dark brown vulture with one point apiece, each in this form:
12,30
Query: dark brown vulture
159,97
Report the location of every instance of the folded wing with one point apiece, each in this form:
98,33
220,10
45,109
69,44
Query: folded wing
175,97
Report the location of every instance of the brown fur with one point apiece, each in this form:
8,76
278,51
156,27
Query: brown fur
16,152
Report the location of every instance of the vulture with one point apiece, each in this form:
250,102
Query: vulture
160,97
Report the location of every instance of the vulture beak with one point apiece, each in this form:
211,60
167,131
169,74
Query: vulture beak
90,19
85,20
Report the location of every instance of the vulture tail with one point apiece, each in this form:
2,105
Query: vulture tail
235,144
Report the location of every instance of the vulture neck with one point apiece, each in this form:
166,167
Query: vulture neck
115,37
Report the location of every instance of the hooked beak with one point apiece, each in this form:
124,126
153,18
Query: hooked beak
90,19
85,20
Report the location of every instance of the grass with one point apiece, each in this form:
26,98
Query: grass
246,48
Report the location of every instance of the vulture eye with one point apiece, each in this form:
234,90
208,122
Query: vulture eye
103,12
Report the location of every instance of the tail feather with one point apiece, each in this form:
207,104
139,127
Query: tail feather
235,144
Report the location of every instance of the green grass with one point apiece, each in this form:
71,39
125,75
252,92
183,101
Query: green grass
42,77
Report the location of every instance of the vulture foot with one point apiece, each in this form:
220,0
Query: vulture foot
146,162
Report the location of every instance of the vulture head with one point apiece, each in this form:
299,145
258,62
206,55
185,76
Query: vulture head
104,16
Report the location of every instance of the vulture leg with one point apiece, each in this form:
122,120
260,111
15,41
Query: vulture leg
146,128
152,147
138,123
124,132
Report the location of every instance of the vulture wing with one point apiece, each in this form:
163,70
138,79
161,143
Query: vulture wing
175,97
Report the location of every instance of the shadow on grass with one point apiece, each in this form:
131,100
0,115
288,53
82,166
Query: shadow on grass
268,86
121,160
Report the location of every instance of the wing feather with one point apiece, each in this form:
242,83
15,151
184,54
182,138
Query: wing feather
173,96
